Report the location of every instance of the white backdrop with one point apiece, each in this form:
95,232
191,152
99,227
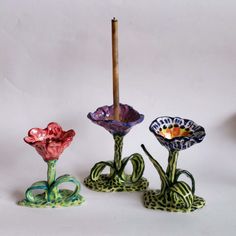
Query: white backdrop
177,58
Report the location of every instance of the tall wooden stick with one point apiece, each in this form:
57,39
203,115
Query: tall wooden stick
115,68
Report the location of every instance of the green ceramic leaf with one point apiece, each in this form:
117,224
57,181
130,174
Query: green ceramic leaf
183,194
99,167
188,174
66,179
138,166
163,176
40,185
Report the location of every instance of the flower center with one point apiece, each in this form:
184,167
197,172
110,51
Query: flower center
173,131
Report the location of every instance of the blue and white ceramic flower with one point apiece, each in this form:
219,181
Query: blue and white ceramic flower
176,133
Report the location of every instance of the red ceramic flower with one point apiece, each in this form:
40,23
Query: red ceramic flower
51,141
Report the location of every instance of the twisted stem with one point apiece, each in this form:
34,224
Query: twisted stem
51,176
118,151
172,165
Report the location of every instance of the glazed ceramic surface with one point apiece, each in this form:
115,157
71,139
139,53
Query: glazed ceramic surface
117,179
104,116
175,134
50,143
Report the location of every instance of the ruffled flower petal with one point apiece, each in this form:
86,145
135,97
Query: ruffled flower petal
51,141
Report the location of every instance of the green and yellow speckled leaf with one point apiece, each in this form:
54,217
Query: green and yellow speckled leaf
99,167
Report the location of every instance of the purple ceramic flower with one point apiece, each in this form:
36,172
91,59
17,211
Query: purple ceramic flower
104,116
176,133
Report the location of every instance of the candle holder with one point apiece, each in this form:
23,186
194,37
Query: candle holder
175,134
50,143
117,179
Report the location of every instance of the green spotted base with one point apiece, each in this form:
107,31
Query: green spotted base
63,200
107,184
154,200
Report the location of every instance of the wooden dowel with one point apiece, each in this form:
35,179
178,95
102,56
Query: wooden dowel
115,68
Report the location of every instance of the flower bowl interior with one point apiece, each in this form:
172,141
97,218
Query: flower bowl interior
174,127
176,133
173,131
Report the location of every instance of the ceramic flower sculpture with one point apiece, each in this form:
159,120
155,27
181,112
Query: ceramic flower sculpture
175,134
50,143
117,179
